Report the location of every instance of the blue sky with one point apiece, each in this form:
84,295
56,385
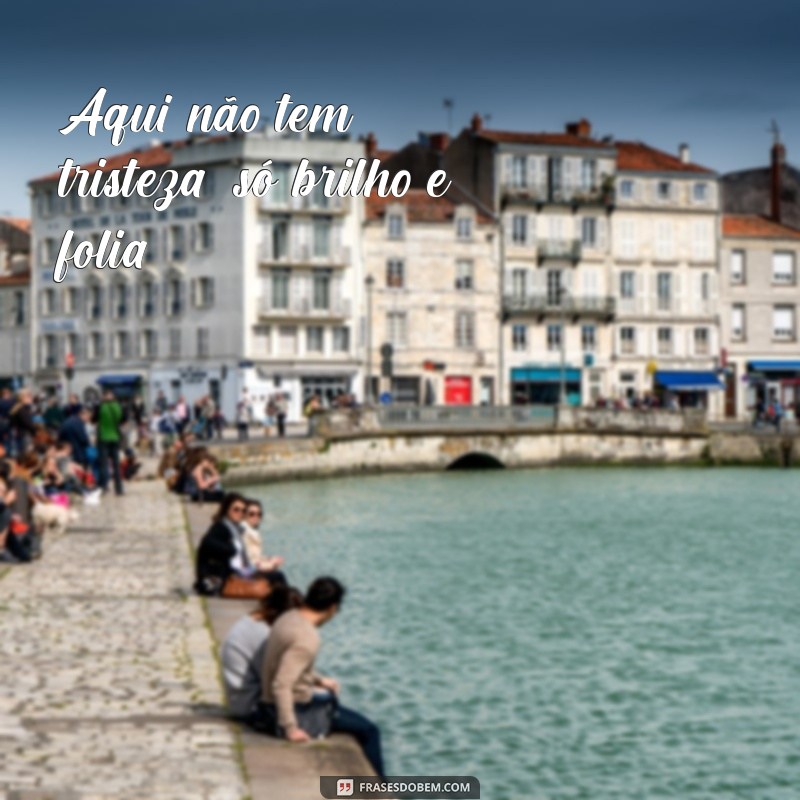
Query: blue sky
713,74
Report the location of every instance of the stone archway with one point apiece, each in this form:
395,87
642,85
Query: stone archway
476,460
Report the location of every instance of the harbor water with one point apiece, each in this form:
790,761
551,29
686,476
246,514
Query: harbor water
568,633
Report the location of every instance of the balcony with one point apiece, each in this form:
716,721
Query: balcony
303,255
559,250
307,205
339,308
541,306
539,194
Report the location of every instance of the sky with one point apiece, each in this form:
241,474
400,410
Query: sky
710,73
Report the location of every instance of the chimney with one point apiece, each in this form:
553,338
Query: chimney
438,141
582,128
372,145
476,123
684,153
778,157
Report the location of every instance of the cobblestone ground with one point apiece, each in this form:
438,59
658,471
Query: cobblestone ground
109,687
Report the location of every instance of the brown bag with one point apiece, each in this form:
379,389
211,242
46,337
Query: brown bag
245,588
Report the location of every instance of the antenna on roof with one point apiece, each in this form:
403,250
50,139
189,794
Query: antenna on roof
448,104
775,131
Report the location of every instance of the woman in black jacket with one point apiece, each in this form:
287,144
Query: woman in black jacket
223,567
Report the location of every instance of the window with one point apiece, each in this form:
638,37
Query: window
701,341
553,337
397,328
663,190
554,287
315,339
664,248
700,192
664,337
174,297
341,339
737,322
464,228
588,174
395,273
783,268
627,238
96,346
322,238
737,266
72,300
395,226
49,355
95,302
207,187
783,323
203,341
519,228
148,299
19,309
280,288
519,338
464,275
49,302
175,343
204,292
627,285
279,192
702,240
589,231
280,239
205,237
627,340
588,338
148,344
263,340
74,345
177,244
465,329
626,189
287,340
122,345
664,289
519,171
705,287
321,284
519,282
120,302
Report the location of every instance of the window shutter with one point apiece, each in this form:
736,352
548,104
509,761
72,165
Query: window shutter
602,234
211,292
506,161
508,226
194,296
533,172
677,289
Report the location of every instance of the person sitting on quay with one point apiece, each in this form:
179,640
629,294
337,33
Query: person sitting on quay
202,483
289,707
253,516
242,651
223,567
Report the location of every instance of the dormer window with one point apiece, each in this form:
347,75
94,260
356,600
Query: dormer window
463,227
700,192
664,190
395,226
626,189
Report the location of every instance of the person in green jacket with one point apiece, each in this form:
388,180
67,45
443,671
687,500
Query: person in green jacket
109,437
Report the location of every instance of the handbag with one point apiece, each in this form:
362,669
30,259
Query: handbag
245,588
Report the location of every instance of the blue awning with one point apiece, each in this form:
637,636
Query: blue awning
545,374
688,381
774,366
118,380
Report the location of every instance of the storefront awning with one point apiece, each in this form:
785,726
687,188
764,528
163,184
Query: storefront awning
688,381
118,380
545,374
774,366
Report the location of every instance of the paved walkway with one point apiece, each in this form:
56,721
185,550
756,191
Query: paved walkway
110,686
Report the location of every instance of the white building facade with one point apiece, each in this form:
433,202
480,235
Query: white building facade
255,294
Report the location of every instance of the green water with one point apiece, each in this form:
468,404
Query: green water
583,633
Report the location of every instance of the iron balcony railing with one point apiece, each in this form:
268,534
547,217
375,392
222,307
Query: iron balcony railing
304,306
560,249
602,306
565,193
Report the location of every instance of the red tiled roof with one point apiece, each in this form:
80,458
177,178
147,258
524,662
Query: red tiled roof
17,279
382,155
420,206
639,157
19,223
552,139
157,155
753,225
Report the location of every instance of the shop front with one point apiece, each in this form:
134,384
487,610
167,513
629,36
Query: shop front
458,390
541,385
772,379
691,388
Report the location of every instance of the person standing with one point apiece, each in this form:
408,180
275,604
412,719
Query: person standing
243,415
109,436
281,408
288,680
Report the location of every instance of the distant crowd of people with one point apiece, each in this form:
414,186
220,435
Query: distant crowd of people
55,456
268,657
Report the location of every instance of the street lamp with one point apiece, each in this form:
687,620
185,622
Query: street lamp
369,282
562,394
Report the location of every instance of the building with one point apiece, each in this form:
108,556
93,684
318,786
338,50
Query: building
665,233
255,294
760,301
15,246
432,272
